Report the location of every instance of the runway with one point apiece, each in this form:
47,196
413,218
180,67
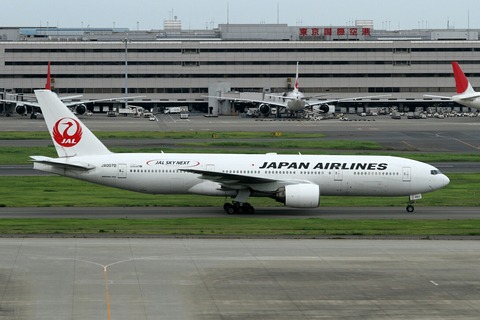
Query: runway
450,135
238,279
100,122
350,213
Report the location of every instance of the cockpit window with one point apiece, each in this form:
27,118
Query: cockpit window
435,172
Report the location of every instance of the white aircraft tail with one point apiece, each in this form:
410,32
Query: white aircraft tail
463,86
70,136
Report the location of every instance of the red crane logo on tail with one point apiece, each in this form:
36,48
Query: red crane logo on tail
67,132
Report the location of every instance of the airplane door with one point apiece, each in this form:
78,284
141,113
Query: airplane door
338,175
406,174
210,167
122,171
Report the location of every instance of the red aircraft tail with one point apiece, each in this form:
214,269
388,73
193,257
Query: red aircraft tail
461,81
48,84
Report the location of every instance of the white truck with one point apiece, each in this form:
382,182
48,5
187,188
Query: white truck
135,111
177,109
184,114
171,110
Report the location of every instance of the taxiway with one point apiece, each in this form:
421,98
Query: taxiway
238,279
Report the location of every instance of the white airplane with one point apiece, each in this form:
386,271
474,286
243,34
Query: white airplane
294,101
295,180
466,95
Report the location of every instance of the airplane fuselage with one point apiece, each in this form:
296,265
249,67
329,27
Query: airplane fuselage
295,101
336,175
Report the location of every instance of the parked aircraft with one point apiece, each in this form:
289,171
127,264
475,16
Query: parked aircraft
293,101
79,107
466,95
295,180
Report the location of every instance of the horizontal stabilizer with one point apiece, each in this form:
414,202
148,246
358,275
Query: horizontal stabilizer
62,163
437,97
468,96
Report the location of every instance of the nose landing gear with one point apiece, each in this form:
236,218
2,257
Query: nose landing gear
410,207
411,201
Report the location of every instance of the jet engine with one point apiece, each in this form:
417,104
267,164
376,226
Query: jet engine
80,109
21,109
265,109
325,108
299,195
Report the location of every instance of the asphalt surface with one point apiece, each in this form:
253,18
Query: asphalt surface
238,279
450,135
199,122
351,213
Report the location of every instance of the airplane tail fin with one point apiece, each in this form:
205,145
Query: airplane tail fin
295,88
461,81
70,136
48,84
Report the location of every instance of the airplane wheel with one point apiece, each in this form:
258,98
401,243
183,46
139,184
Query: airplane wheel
229,208
410,208
248,208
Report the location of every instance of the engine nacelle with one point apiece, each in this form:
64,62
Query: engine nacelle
80,109
265,109
325,108
21,109
299,195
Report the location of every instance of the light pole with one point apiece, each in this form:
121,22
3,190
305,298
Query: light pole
126,41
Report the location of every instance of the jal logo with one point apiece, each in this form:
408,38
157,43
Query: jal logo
67,132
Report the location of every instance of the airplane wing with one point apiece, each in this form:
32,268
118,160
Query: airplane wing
316,103
20,102
72,103
70,97
270,102
292,98
243,181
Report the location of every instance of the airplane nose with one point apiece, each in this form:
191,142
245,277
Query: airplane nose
445,180
440,181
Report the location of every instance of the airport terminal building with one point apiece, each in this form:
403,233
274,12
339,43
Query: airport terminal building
172,67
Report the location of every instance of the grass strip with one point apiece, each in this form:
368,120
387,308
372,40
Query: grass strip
49,191
241,227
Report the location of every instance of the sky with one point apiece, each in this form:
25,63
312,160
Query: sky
207,14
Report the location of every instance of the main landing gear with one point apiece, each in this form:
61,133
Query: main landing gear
239,204
238,207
